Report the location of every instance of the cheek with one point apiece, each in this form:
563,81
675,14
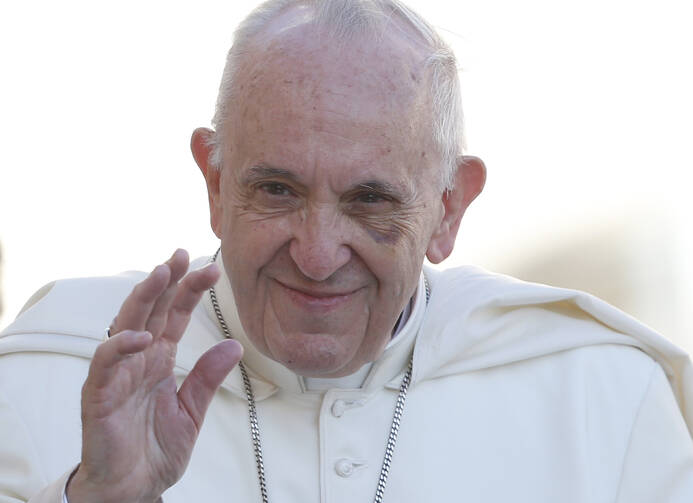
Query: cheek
251,245
396,243
257,241
395,267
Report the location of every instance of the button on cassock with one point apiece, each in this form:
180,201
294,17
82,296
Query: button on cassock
338,408
344,468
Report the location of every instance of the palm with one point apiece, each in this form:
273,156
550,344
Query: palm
138,429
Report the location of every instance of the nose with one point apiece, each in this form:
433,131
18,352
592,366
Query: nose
318,246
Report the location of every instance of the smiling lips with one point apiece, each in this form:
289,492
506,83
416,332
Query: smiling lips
317,300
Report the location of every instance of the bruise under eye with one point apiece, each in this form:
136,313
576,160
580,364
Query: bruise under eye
380,236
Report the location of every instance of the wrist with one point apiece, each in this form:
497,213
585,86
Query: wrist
80,489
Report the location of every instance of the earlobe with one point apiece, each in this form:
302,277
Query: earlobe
201,150
469,181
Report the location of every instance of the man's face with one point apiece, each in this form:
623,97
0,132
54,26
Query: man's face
328,197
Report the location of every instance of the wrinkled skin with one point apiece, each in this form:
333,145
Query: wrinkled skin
328,198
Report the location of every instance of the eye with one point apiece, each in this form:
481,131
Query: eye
275,189
370,198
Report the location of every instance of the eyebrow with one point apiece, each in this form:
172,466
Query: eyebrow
380,187
264,171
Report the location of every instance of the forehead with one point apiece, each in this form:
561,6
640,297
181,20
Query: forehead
299,86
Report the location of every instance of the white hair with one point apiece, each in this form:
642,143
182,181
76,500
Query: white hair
343,19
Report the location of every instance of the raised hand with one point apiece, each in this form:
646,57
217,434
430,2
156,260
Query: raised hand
138,431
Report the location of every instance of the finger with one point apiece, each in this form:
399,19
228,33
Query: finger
178,264
111,352
209,372
137,307
189,293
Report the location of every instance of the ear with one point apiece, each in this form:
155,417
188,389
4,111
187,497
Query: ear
201,150
468,183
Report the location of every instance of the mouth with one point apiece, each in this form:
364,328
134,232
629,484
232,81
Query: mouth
314,299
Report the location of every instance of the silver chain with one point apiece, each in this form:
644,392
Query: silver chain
392,437
250,397
255,426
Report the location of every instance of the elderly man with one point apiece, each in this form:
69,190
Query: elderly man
334,169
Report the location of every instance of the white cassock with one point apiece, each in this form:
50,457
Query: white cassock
520,392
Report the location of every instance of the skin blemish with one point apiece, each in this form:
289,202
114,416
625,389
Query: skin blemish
390,227
381,237
423,154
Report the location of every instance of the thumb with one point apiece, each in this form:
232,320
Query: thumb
197,391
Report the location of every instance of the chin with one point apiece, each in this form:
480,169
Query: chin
314,355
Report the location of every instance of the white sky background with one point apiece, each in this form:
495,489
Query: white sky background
581,110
